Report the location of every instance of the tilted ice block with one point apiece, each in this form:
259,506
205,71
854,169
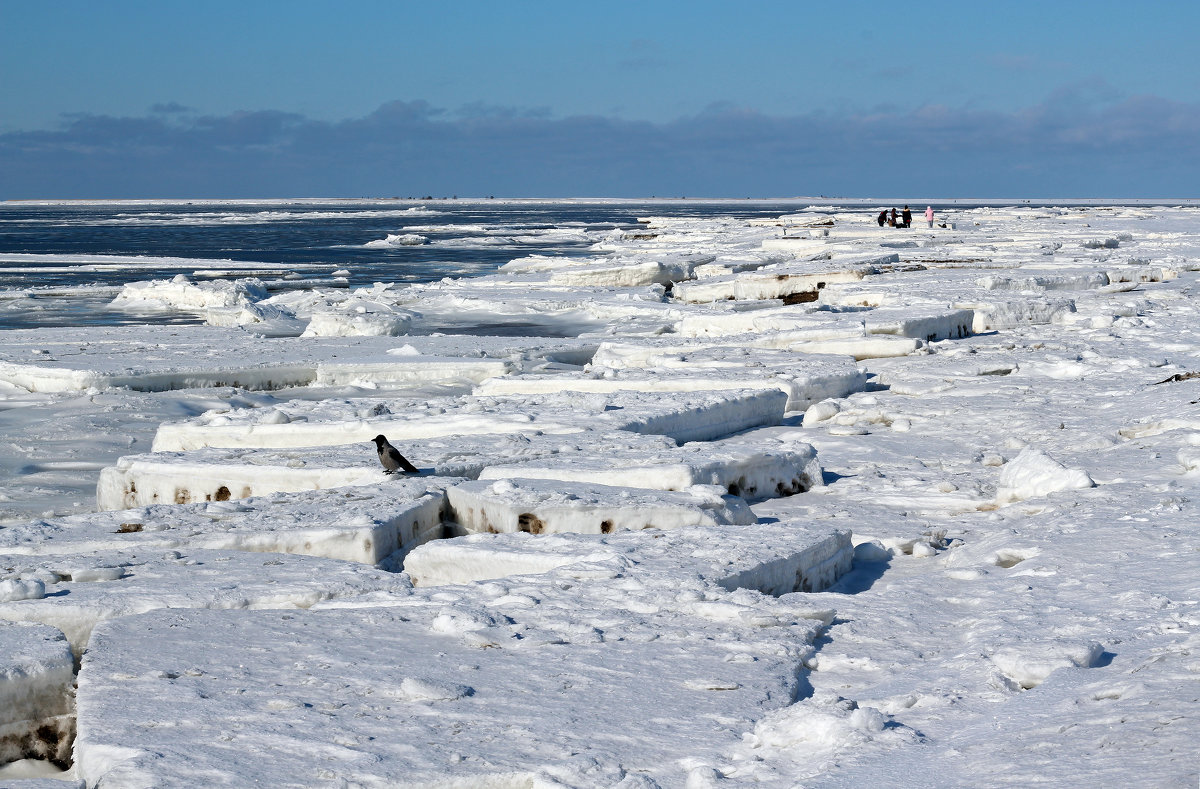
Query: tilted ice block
922,323
159,359
801,382
215,474
756,470
701,415
709,415
541,506
37,691
686,417
83,589
365,524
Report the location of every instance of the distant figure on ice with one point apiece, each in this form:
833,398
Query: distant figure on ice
882,218
929,215
391,458
892,219
906,217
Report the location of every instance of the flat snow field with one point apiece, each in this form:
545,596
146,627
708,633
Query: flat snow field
801,502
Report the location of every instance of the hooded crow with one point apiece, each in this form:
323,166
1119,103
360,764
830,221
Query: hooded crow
391,458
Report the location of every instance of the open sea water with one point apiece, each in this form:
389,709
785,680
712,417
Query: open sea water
62,263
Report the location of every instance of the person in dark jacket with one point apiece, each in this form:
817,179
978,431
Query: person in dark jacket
882,218
906,217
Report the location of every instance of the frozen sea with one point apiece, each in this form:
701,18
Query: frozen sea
60,262
724,493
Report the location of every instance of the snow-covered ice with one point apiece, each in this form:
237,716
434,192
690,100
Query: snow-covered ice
482,684
90,587
788,502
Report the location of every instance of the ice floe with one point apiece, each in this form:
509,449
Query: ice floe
702,501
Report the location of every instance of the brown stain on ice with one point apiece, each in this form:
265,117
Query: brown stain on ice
528,522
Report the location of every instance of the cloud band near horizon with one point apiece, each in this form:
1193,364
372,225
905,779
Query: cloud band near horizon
1142,146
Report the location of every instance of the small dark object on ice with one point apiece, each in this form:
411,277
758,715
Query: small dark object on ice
391,458
1180,377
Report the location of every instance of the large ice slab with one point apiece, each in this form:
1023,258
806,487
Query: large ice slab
158,359
815,376
775,558
37,693
305,424
83,589
725,319
687,417
219,474
367,524
802,382
515,681
541,506
753,469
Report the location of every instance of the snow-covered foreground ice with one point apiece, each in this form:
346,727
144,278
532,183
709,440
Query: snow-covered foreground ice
794,503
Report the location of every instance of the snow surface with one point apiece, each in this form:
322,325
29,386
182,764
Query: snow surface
947,507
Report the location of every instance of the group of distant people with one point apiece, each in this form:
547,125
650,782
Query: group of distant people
904,219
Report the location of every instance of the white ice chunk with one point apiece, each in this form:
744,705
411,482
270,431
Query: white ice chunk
1029,663
1033,473
181,293
375,323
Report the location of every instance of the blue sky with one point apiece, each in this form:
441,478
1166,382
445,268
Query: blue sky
721,99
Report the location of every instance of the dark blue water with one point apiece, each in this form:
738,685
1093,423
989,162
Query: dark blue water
299,244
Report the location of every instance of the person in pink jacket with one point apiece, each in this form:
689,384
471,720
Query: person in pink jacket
929,215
